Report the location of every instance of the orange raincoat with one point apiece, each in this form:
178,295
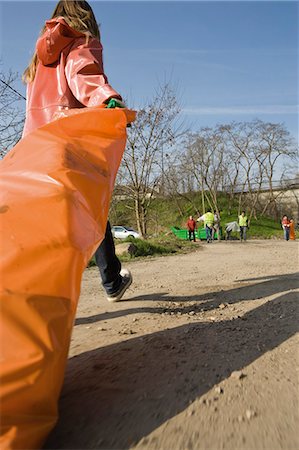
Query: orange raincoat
69,75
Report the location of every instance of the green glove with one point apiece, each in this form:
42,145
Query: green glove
115,103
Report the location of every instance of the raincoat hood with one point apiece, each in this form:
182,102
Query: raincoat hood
69,75
58,35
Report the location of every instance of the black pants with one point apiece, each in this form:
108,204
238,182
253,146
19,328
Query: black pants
191,235
108,263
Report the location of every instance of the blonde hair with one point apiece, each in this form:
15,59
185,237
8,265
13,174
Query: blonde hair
79,16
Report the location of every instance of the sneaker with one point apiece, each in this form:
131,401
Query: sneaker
125,283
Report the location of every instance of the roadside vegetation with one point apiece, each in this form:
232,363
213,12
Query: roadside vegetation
165,244
164,214
158,246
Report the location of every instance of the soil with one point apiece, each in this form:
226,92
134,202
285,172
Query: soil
202,353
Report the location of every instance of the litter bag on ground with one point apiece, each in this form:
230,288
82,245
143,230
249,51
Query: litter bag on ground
55,189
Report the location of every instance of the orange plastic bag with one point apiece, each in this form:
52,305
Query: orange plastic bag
55,189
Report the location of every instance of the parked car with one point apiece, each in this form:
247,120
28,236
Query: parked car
120,232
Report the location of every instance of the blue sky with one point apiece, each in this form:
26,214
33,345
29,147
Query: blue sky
229,60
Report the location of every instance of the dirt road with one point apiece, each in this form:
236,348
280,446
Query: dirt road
203,355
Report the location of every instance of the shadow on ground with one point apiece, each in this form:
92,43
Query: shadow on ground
114,396
266,287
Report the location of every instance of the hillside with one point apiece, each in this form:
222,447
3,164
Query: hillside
167,212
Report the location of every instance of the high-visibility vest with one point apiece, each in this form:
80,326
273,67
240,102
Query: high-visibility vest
243,221
209,219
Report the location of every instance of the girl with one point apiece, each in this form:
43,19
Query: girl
66,72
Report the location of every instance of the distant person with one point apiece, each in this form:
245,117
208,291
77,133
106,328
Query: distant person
191,225
292,230
229,228
285,223
208,219
67,72
243,224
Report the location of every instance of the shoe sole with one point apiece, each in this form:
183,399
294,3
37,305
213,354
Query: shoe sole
121,294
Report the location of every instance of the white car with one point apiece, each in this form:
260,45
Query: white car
124,232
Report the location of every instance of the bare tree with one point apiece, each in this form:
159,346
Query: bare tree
174,179
239,158
12,114
240,139
181,185
275,142
152,135
204,158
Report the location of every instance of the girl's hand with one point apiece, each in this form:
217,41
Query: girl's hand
115,103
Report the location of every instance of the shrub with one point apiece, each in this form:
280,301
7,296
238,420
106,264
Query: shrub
149,248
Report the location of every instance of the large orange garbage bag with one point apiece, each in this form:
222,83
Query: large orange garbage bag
55,189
